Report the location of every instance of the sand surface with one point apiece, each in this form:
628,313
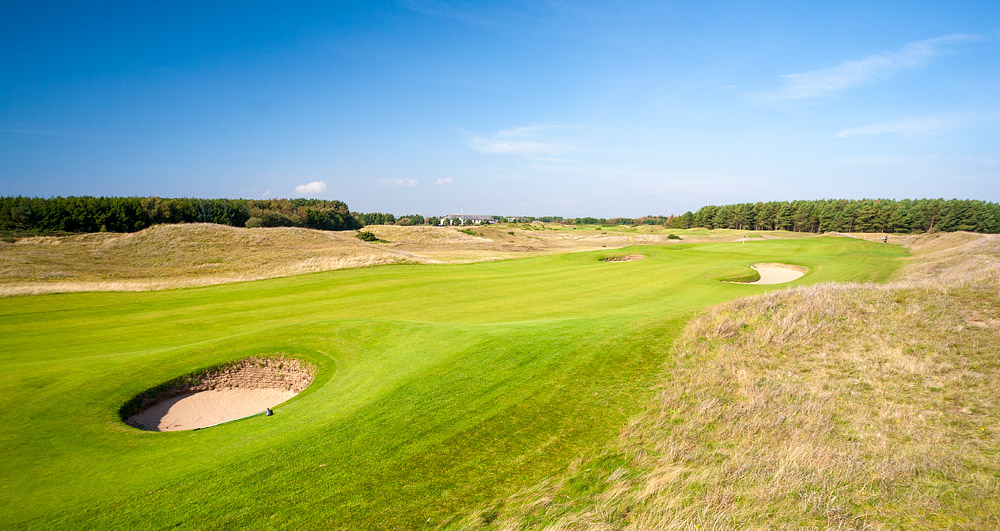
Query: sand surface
207,408
777,273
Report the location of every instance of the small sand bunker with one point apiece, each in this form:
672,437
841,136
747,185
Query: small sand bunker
244,388
624,258
776,273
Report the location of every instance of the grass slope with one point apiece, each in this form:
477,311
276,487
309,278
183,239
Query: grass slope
439,388
853,406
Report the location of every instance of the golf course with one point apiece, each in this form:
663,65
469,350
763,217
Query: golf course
500,266
437,389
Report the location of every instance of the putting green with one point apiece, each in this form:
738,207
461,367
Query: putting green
438,388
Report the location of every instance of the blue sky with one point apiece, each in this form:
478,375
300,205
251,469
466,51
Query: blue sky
531,108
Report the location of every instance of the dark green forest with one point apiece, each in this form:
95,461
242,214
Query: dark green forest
129,214
849,215
35,215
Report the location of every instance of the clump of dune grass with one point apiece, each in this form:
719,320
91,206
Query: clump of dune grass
836,406
623,258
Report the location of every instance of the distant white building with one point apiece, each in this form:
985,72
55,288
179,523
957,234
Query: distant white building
462,219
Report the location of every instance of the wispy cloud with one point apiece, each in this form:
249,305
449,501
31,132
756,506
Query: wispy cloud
484,14
40,132
315,187
858,72
529,141
913,126
877,160
409,183
443,181
445,10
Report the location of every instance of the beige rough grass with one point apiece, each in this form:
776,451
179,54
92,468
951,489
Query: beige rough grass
175,256
170,256
837,406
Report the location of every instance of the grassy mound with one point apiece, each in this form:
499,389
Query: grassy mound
744,277
171,256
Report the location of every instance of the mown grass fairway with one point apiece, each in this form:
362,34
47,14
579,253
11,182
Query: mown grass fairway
439,388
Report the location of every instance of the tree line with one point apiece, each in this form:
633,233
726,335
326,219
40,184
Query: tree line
35,215
849,215
382,218
644,220
130,214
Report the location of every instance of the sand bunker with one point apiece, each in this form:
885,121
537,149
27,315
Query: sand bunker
776,273
244,388
623,258
207,408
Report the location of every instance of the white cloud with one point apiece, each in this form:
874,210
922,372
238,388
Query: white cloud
410,183
443,181
877,160
528,141
854,73
515,147
315,187
911,127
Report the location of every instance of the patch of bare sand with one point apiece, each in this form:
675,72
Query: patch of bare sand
777,273
208,408
245,388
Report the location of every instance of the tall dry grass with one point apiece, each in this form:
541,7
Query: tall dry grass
837,406
202,254
172,256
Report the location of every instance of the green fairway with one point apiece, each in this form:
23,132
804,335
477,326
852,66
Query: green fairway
439,388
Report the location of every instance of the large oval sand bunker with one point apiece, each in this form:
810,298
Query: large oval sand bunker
240,389
776,273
